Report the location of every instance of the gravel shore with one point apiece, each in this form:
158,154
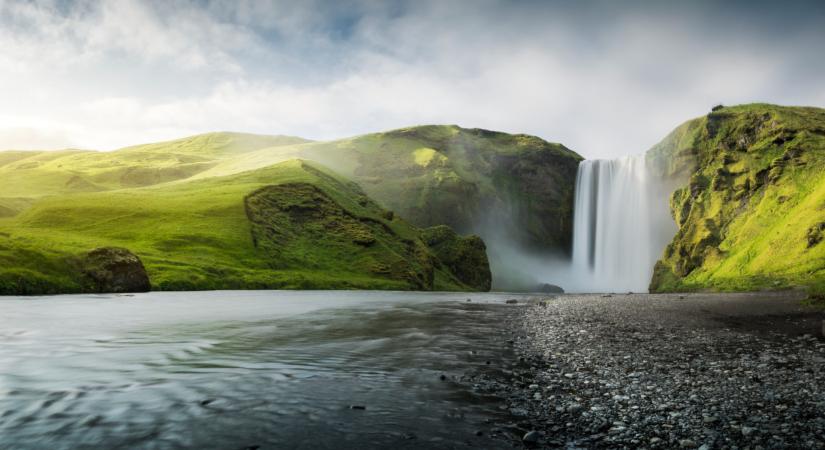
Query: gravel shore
702,371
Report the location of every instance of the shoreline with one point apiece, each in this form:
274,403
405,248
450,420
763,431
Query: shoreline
664,371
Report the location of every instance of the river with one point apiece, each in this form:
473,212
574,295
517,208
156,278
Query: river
256,369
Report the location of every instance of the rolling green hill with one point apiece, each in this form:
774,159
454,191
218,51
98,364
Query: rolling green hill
430,175
289,225
445,174
751,208
37,173
70,201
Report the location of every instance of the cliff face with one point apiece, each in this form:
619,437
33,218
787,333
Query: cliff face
471,179
302,226
750,205
299,226
463,256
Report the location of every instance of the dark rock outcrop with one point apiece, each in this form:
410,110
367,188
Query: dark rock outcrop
333,228
114,270
815,234
548,288
464,256
302,227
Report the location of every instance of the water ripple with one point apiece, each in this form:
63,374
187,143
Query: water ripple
167,371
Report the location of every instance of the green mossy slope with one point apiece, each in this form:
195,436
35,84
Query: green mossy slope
430,175
751,209
294,225
444,174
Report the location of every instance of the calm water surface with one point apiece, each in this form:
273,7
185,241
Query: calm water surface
234,370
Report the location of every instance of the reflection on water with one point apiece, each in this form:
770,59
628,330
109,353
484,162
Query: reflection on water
234,370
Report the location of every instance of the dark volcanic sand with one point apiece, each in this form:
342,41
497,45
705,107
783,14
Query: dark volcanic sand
665,371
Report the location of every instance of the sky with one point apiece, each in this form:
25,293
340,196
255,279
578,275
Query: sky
604,78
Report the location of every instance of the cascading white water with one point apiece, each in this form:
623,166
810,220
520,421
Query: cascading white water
621,225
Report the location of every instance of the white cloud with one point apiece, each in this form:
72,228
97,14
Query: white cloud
109,74
35,139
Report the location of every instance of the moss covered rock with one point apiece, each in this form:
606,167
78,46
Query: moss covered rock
114,270
299,226
464,256
750,202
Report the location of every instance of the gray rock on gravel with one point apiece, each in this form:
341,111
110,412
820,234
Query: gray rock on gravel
531,437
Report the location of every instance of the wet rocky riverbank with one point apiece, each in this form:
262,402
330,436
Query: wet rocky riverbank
663,371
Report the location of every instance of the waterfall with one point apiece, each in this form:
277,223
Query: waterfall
621,225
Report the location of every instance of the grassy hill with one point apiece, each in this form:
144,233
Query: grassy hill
430,175
289,225
32,174
445,174
751,210
475,181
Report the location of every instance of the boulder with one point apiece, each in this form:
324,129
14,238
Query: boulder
815,234
464,256
115,270
548,288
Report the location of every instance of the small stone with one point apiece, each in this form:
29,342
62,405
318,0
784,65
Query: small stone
687,443
747,431
531,437
574,408
655,440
